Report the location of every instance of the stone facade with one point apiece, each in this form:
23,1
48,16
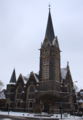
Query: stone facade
22,93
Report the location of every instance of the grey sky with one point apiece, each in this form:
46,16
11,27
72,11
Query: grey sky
22,29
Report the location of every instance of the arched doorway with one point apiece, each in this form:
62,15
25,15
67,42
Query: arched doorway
30,105
7,106
46,108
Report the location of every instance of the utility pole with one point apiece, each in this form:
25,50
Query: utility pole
61,107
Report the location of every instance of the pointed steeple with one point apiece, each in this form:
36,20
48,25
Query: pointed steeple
67,65
49,30
13,77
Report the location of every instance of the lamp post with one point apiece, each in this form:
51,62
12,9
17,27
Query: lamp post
73,99
41,105
41,109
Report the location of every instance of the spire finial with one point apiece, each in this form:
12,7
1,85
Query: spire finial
49,6
67,63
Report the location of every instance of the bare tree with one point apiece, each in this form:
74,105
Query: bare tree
1,85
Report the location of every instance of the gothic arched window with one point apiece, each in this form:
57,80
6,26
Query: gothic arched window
30,105
31,92
18,105
46,69
19,92
31,89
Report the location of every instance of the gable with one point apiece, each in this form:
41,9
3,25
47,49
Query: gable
66,75
46,42
20,80
33,78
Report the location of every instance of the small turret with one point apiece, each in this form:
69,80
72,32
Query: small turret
67,65
13,77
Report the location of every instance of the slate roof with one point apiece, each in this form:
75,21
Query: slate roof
13,77
49,30
25,78
36,77
54,41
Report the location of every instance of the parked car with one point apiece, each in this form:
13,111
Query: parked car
79,113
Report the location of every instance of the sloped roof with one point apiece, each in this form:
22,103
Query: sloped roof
25,79
11,83
63,73
80,101
54,40
49,30
36,77
13,77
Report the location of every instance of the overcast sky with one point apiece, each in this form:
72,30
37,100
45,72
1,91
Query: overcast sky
22,29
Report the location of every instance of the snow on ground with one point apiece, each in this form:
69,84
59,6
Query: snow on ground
6,119
23,114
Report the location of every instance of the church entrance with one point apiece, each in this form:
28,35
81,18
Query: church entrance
46,108
7,106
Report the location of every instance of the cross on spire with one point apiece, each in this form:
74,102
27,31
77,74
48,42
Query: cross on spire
49,30
49,6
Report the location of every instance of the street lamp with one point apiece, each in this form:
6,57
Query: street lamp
73,99
75,81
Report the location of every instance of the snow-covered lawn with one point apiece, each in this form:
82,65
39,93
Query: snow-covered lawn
24,114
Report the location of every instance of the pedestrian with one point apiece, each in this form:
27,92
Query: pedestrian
8,112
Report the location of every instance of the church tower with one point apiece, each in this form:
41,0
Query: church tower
50,59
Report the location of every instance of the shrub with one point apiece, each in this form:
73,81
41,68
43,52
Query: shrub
37,109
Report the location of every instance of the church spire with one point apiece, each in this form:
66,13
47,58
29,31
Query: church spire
49,30
13,77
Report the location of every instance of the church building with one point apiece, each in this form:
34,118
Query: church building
22,93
